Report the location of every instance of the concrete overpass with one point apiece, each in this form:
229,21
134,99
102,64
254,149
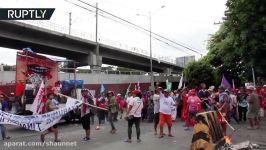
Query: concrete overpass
18,35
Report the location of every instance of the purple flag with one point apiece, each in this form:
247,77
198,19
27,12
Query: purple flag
225,83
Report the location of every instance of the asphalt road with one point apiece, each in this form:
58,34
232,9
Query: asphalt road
103,140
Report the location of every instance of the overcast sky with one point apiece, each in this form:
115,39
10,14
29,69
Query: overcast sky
189,22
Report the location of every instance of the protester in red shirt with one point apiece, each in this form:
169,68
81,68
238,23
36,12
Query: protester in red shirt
101,102
122,106
184,105
193,104
19,89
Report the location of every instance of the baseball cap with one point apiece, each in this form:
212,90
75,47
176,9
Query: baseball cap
135,91
166,90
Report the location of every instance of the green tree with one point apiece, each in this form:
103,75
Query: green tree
197,72
238,45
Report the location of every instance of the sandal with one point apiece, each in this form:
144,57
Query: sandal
42,138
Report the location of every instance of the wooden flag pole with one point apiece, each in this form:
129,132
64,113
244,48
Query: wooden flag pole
82,102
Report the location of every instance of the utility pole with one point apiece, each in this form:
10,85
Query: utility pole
96,40
69,26
152,82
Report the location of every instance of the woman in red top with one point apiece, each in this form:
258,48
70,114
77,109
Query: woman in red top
122,106
101,102
193,104
184,105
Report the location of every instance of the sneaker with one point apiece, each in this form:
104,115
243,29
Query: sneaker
86,139
139,140
187,128
97,128
170,135
128,141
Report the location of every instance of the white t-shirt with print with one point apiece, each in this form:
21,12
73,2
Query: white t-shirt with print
128,100
137,106
156,102
166,105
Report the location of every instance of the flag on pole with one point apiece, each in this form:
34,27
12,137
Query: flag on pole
128,89
168,85
233,82
38,103
102,89
225,82
180,82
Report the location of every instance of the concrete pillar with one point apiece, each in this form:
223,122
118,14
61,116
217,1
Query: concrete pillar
168,71
94,63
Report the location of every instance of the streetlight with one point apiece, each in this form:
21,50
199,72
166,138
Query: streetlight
149,16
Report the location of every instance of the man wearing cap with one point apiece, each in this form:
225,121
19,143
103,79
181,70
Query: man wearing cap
86,112
242,104
121,104
129,97
166,104
51,105
156,103
133,115
253,109
112,107
224,106
204,96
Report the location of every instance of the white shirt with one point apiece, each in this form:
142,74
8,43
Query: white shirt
156,102
137,106
128,100
166,105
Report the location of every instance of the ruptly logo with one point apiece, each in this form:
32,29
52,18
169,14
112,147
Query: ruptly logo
26,13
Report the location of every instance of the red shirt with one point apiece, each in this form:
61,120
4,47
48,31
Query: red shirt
19,89
99,103
193,103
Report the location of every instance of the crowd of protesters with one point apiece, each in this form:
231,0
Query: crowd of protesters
162,107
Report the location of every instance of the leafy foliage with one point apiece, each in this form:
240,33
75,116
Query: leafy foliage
238,45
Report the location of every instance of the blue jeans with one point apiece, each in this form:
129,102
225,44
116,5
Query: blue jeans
3,131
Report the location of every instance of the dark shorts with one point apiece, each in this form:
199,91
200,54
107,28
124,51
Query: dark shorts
156,118
85,121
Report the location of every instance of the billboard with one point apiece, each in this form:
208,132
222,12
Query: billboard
33,68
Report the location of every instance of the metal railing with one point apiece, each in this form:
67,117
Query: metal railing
48,25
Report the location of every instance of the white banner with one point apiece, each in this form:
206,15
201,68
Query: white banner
38,104
39,122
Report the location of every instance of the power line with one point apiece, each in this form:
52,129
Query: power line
137,28
140,27
148,34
